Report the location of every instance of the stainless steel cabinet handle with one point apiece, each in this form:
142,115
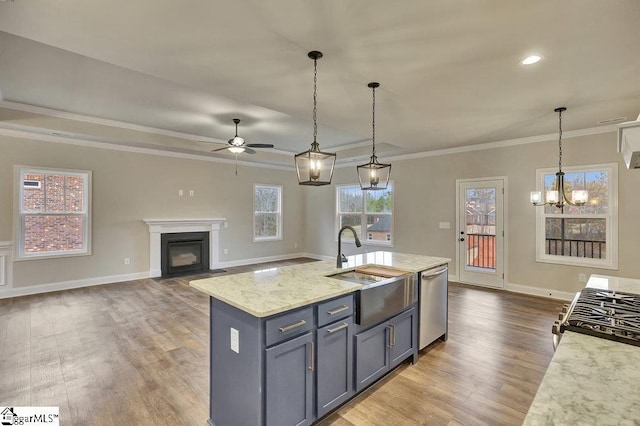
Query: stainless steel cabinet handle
388,328
313,361
338,310
393,335
338,328
292,326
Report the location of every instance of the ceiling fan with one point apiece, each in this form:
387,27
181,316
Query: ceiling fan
236,144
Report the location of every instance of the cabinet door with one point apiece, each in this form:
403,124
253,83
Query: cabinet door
334,377
289,382
403,336
372,356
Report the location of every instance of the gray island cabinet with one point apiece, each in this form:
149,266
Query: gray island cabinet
285,348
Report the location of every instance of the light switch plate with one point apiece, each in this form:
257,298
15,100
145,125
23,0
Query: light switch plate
445,225
235,340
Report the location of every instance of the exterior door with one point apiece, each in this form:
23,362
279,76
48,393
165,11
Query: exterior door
480,210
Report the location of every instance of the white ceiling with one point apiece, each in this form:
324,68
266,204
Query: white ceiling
450,71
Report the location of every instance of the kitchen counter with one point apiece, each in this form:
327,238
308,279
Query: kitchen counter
274,290
590,380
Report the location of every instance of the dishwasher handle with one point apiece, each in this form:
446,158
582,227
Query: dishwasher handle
432,273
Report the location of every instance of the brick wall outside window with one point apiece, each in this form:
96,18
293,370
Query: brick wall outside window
53,214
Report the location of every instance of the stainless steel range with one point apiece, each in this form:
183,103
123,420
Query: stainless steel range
613,315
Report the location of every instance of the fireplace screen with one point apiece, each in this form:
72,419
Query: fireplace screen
184,253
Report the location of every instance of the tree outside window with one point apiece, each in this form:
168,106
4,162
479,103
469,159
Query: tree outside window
370,213
580,235
267,212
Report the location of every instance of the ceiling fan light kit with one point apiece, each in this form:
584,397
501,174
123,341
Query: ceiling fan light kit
558,197
373,175
314,167
237,145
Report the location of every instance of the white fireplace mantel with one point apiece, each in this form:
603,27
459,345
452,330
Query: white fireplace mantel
166,226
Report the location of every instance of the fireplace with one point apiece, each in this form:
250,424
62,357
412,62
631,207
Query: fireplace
160,227
184,253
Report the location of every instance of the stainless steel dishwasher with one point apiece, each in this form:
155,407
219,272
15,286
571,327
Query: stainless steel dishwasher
433,305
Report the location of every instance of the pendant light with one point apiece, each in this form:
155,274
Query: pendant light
314,167
373,175
558,197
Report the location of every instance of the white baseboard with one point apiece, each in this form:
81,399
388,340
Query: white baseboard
537,291
533,291
318,256
67,285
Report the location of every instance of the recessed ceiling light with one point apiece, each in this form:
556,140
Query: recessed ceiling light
531,60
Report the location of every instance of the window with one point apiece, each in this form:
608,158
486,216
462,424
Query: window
370,213
267,212
53,213
583,236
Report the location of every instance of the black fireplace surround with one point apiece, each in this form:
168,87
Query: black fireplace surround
184,253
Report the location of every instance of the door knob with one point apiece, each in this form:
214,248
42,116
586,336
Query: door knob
461,239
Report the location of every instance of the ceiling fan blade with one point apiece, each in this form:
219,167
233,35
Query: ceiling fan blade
220,149
249,151
259,145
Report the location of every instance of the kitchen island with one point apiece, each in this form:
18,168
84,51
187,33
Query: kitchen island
591,380
286,347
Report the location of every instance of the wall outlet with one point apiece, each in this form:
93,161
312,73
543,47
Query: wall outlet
180,192
225,251
235,340
191,193
295,245
127,261
582,278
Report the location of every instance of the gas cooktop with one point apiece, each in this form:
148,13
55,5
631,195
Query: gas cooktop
613,315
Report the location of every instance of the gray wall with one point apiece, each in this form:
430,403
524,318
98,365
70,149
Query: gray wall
129,187
425,195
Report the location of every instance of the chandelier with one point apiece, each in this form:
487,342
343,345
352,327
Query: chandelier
558,197
373,175
314,167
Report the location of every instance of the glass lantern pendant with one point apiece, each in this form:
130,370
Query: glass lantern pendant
373,175
314,167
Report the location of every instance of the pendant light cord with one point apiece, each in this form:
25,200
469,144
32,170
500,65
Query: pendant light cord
315,100
560,141
373,122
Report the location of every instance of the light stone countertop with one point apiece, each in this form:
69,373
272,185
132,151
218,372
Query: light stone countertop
591,380
271,291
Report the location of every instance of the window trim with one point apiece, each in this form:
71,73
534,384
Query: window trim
611,261
279,233
19,216
346,236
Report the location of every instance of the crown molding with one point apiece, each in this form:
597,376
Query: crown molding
184,153
104,121
27,133
505,143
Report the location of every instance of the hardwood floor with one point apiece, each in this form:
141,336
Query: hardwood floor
136,353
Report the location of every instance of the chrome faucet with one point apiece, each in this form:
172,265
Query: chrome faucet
341,257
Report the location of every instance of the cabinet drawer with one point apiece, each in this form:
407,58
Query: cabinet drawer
288,325
335,310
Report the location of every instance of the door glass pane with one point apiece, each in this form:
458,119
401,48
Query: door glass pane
480,229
